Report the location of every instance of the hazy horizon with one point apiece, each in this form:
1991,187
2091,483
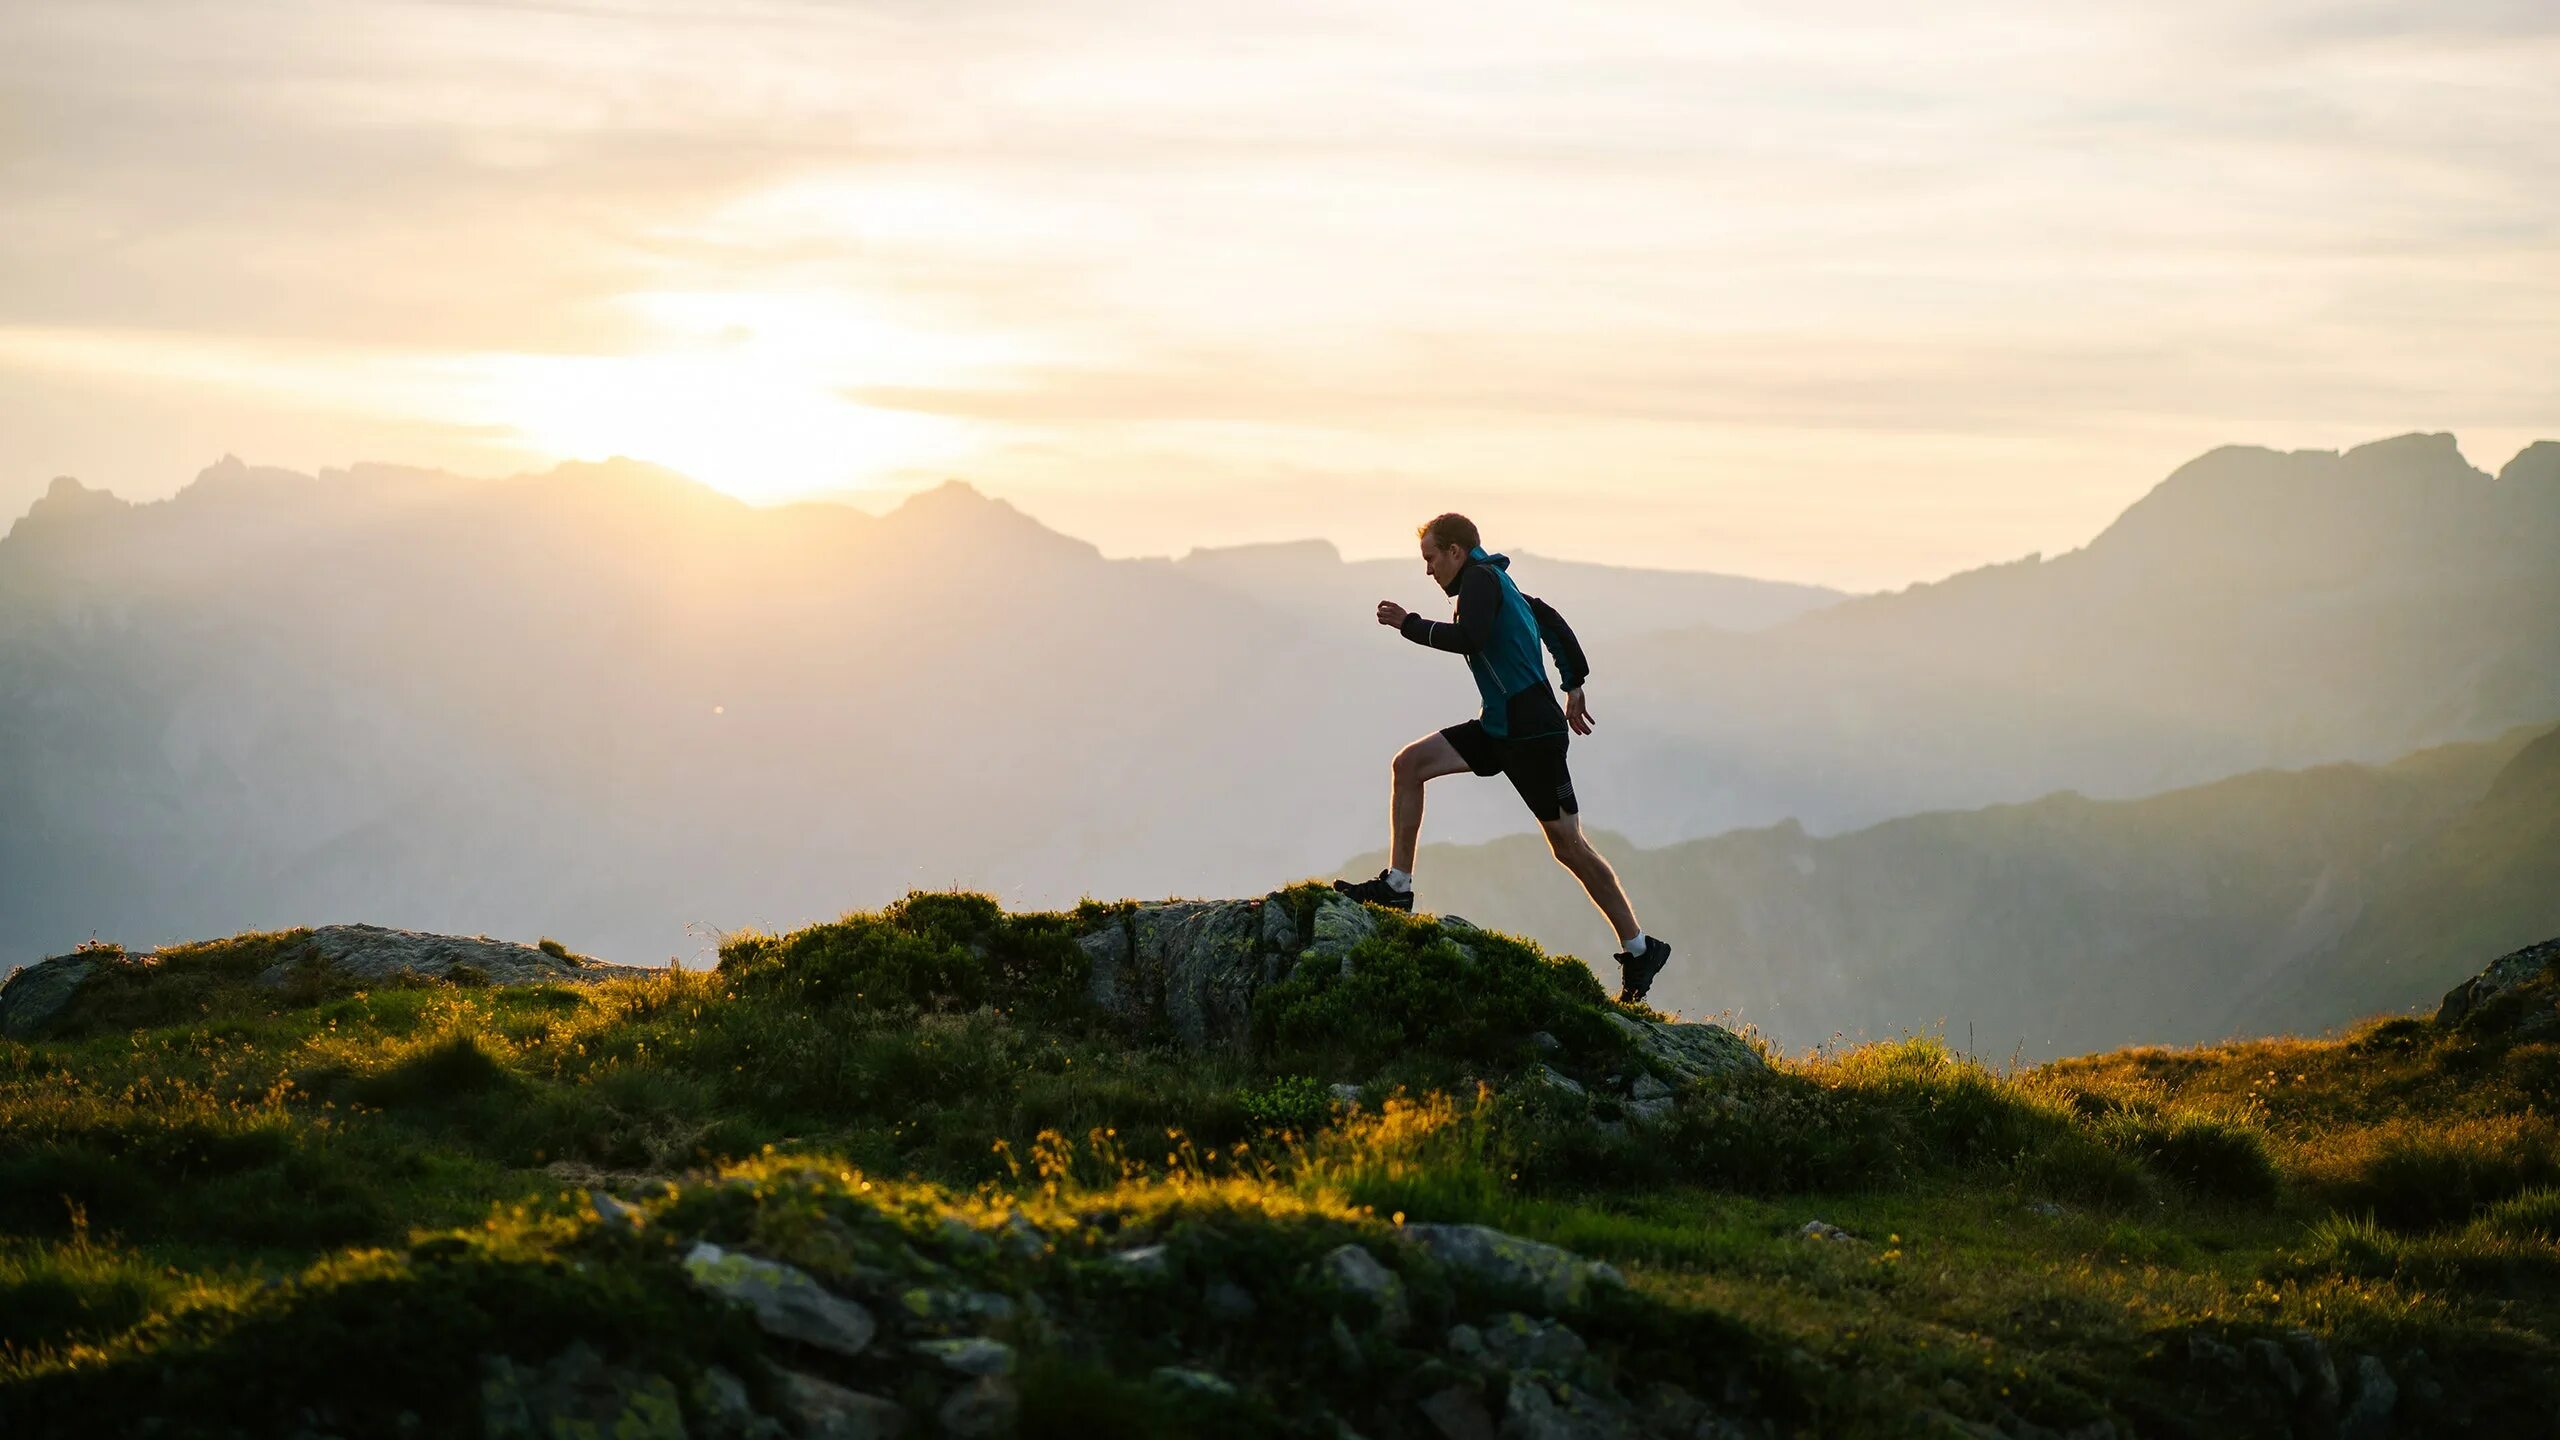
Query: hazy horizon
1847,295
1389,544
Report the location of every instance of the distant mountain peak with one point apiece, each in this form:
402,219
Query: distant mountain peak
67,502
958,510
2416,447
2535,464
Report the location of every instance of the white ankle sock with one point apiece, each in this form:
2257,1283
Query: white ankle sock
1399,880
1634,944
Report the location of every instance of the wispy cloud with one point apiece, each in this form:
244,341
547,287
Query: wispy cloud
1115,248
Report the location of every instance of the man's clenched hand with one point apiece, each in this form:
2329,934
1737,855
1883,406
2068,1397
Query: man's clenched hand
1577,714
1391,614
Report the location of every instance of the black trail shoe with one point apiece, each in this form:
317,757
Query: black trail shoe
1378,892
1637,971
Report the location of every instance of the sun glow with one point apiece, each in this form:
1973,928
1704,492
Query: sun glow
745,392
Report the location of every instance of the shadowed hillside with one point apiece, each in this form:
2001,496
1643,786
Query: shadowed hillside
2270,903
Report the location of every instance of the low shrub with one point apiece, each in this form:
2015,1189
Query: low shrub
1418,990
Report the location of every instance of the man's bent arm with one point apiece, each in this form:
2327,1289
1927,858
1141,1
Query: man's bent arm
1479,596
1572,667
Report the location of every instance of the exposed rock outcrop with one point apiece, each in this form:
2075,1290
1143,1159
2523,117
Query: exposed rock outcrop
372,954
1196,964
2503,976
377,953
36,993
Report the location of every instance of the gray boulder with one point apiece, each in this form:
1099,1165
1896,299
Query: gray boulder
1689,1050
1194,966
1534,1411
828,1411
576,1392
786,1301
972,1355
376,953
1355,1270
1559,1278
34,994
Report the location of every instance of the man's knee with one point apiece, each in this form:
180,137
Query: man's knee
1411,764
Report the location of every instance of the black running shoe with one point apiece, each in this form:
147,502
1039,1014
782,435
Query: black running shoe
1637,972
1378,892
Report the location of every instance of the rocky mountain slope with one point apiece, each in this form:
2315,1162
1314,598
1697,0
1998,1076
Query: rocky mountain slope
1280,1166
2278,902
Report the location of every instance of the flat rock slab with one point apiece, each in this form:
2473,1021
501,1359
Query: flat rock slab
377,953
1690,1050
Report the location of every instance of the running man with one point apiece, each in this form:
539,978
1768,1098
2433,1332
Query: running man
1521,735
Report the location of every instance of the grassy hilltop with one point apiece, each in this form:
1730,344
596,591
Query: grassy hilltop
441,1206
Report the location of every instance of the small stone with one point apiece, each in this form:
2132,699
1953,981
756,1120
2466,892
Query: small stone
1546,1044
828,1411
612,1214
787,1303
2270,1362
1149,1260
1825,1230
2047,1209
1344,1093
974,1355
2369,1418
1458,1413
1554,1079
1356,1270
983,1408
1193,1382
1228,1302
1548,1347
1648,1087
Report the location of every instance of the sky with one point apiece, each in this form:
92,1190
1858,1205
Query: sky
1851,293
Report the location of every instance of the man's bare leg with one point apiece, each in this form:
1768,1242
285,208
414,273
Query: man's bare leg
1574,851
1417,764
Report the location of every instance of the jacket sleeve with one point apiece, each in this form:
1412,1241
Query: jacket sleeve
1572,667
1479,597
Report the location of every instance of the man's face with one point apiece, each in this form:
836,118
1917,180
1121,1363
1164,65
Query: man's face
1443,561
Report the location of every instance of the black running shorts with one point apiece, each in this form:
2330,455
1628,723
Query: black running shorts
1535,766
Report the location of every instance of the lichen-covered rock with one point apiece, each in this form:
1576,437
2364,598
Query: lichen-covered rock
34,994
1689,1050
1354,1270
1515,1342
575,1395
377,953
1191,965
1558,1278
828,1411
2508,972
786,1301
970,1355
1536,1409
